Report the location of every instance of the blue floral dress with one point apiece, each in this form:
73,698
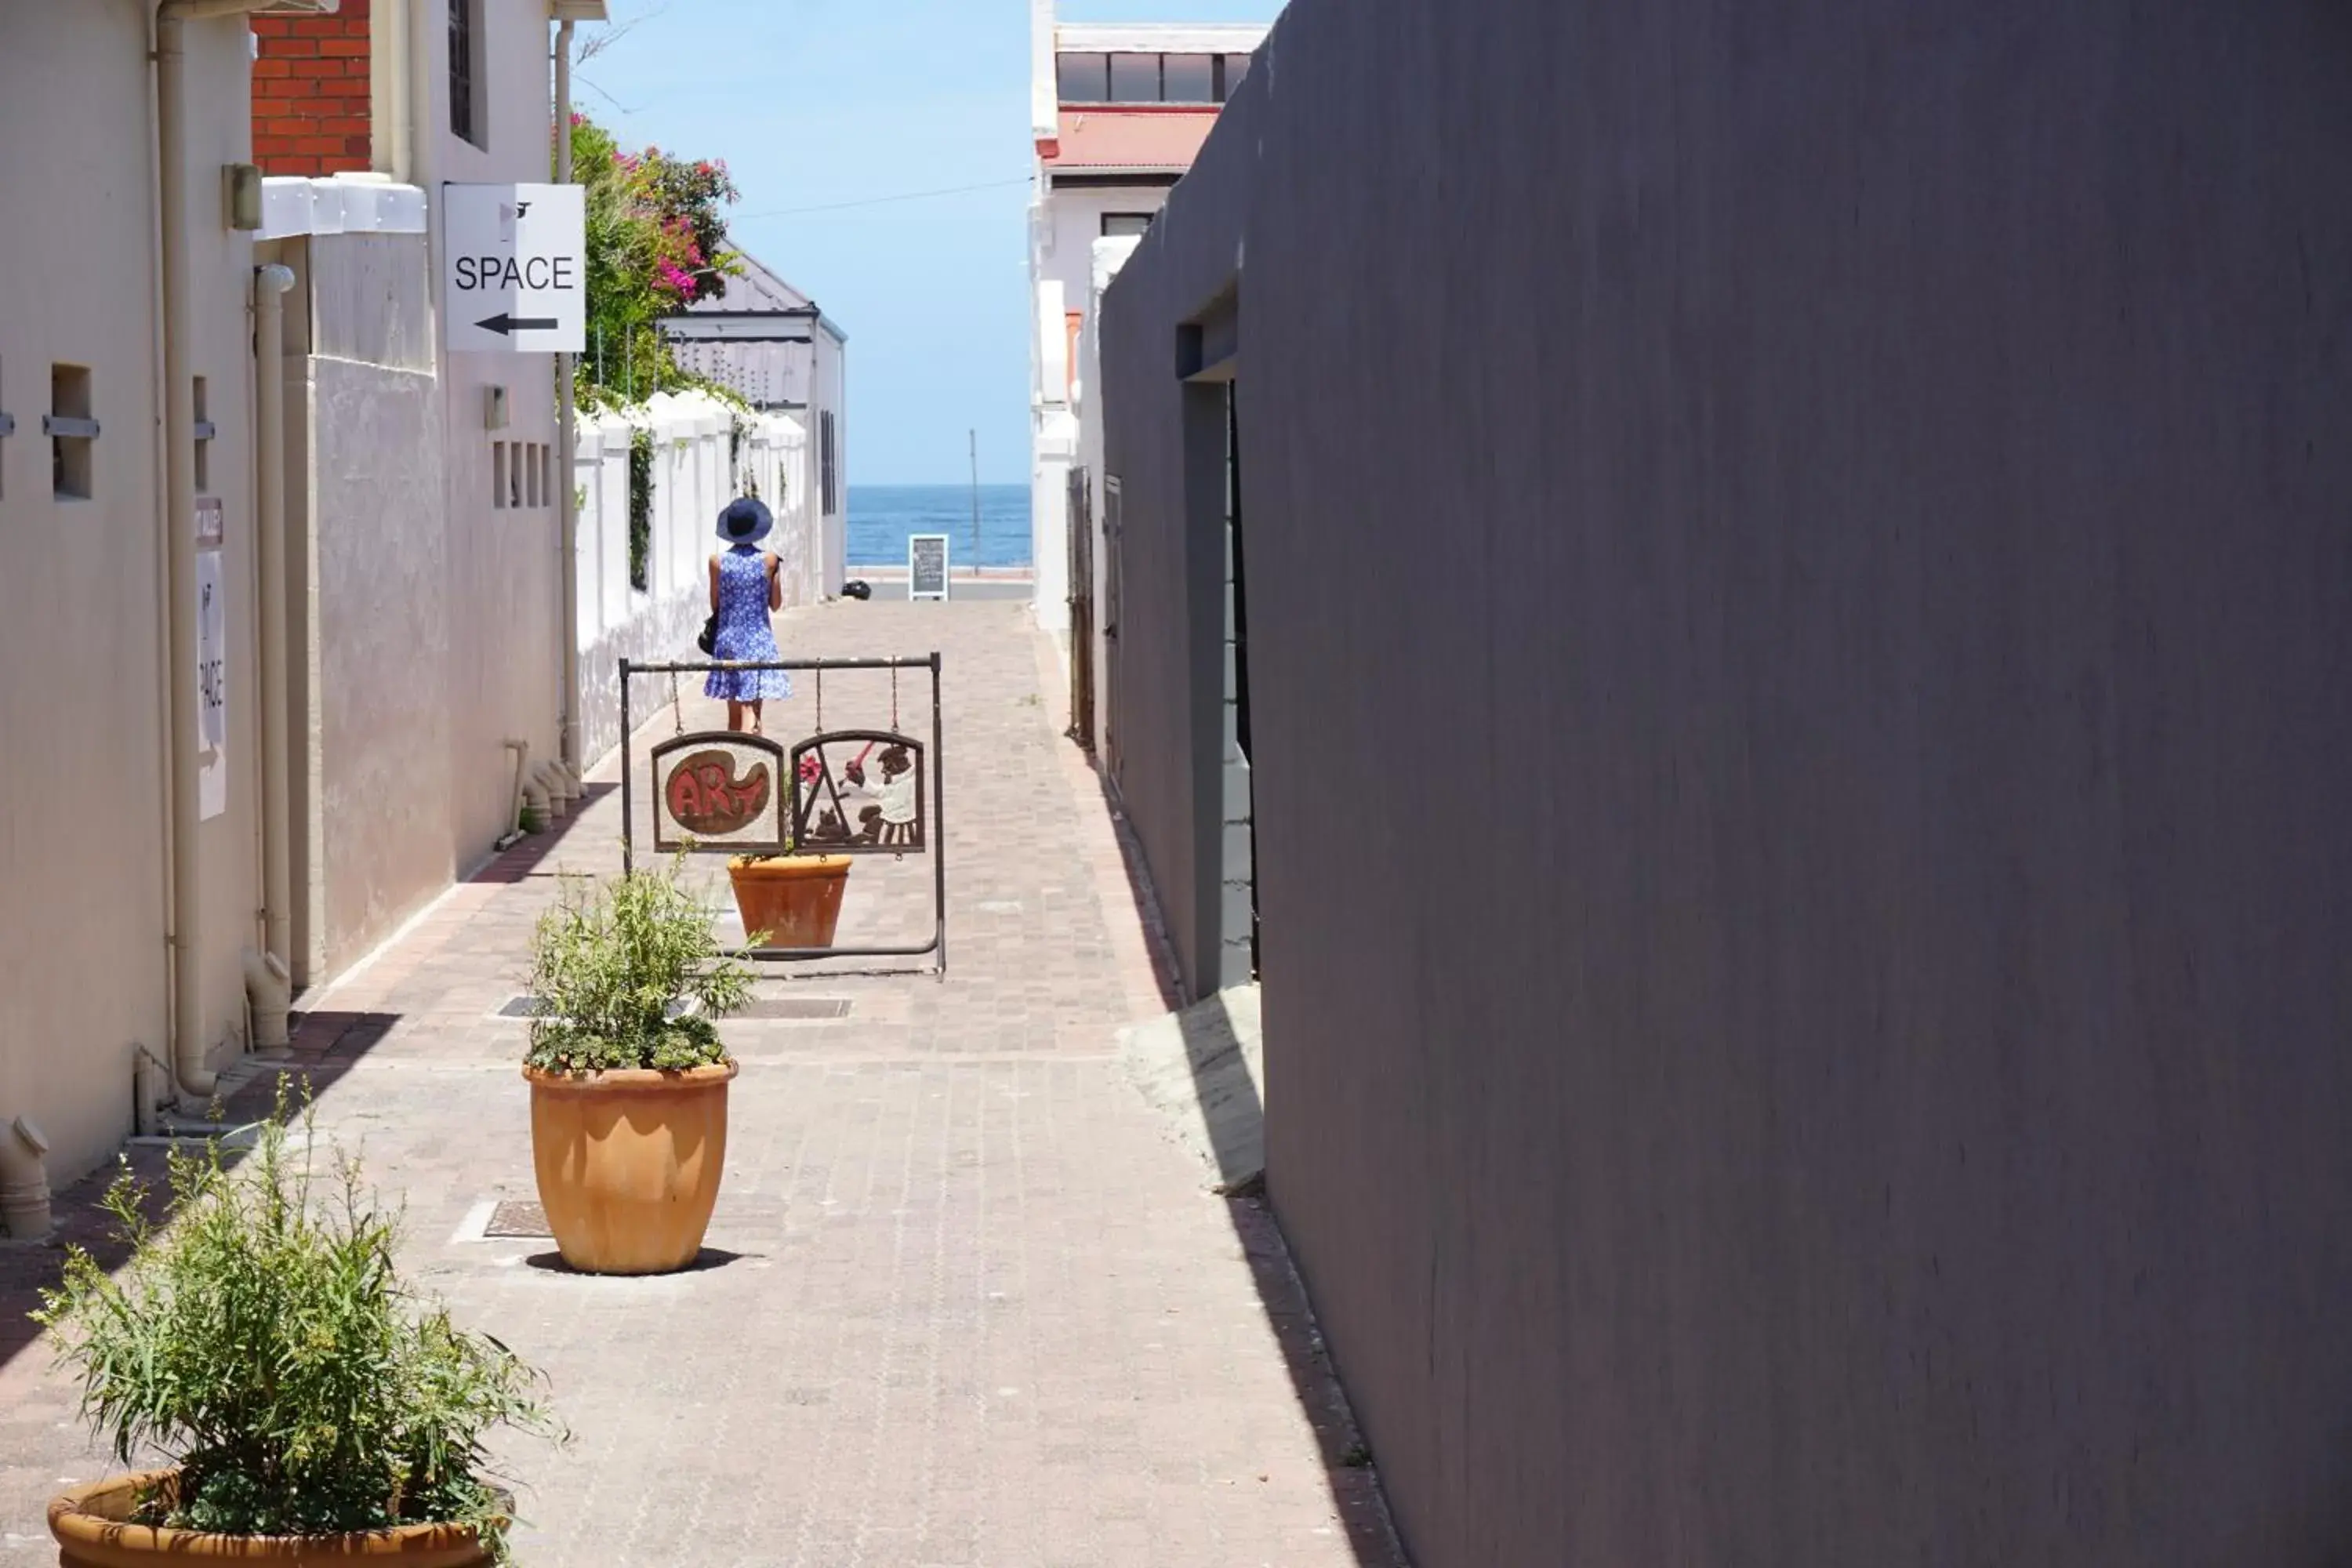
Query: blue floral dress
744,631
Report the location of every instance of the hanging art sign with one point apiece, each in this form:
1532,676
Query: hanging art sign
860,791
719,792
212,663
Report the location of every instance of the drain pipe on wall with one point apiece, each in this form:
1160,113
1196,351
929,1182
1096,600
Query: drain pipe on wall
268,979
567,469
179,515
522,749
23,1181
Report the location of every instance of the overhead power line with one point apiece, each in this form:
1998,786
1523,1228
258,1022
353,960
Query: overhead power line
881,201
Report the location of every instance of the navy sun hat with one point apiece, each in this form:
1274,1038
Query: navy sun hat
745,521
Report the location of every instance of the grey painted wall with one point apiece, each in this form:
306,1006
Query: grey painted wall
1801,649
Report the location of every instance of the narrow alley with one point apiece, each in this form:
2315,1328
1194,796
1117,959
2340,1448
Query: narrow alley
965,1301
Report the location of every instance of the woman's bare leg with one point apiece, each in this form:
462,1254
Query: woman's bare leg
755,705
734,714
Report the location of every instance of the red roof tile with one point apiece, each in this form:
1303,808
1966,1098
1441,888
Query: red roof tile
1159,138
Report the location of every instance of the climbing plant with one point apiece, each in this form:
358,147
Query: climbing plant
656,244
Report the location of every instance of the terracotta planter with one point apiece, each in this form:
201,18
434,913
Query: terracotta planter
796,900
87,1523
629,1163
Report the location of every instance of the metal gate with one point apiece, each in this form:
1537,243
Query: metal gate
725,791
1081,609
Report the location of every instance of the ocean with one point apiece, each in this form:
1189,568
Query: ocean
882,516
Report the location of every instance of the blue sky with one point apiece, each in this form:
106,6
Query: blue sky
815,103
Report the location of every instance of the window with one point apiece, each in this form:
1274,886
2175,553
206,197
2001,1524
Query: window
1084,78
1119,225
1188,78
72,432
203,439
546,474
464,111
1134,79
1236,67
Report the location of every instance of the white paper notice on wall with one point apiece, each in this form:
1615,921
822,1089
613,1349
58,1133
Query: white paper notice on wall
212,667
514,268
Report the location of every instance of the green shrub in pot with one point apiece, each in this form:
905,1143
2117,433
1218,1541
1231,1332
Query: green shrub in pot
261,1342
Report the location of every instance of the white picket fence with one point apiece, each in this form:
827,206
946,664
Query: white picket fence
704,456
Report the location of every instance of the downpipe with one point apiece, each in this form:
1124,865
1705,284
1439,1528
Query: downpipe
180,543
567,474
270,284
269,993
178,521
23,1181
522,749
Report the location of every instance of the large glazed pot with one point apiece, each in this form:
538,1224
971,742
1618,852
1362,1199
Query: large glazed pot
87,1523
629,1163
794,900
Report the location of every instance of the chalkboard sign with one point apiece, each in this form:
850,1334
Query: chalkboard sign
927,566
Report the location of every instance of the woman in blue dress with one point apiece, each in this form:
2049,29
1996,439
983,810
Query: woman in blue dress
745,590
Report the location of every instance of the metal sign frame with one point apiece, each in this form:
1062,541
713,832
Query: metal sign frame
931,790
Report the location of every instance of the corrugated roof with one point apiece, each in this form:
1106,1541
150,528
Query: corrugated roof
757,290
1155,138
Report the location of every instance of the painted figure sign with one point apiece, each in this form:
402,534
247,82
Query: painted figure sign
860,791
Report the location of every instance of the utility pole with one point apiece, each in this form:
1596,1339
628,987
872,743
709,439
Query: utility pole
975,502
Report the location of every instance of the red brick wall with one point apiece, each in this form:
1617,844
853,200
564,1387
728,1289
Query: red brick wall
310,93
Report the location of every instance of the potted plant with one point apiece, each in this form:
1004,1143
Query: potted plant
308,1406
792,900
789,900
628,1077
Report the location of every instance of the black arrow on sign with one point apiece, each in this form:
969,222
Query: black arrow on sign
505,325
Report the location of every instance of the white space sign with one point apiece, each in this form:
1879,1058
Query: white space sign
212,665
514,268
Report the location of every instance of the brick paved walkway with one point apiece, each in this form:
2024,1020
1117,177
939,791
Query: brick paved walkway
967,1301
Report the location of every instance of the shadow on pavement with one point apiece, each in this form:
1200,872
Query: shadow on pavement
522,858
705,1262
326,1044
1233,1127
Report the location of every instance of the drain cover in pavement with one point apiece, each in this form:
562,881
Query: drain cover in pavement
516,1219
796,1007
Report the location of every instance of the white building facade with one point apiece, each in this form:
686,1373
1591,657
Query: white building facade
1118,114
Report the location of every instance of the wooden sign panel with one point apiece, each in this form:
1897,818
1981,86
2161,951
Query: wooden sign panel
719,792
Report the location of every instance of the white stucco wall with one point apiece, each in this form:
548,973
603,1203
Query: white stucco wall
82,697
1064,228
504,567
